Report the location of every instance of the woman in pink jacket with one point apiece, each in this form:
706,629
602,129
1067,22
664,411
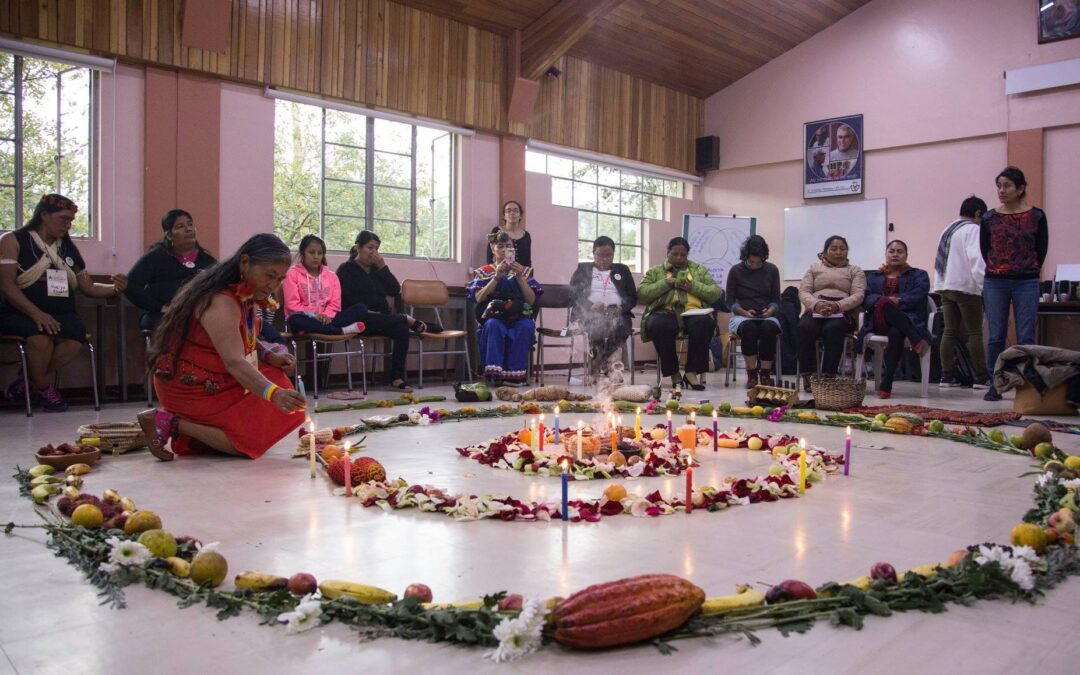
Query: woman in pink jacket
313,295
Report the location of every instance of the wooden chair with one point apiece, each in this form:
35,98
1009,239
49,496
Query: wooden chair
20,344
433,294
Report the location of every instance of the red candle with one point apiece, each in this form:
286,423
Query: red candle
689,489
541,433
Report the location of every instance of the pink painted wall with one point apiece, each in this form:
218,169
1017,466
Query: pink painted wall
927,76
247,165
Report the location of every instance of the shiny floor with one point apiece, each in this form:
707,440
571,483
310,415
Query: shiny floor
908,501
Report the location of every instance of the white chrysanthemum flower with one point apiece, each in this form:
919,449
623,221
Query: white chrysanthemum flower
306,616
519,636
212,546
108,567
1044,479
1021,573
125,552
424,420
1071,484
1025,553
991,553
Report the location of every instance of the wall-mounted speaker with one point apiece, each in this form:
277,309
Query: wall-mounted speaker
707,157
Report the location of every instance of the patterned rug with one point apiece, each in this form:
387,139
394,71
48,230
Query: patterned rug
978,419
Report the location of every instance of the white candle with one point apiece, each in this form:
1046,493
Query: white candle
580,426
311,446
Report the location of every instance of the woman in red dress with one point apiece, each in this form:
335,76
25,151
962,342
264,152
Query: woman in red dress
219,388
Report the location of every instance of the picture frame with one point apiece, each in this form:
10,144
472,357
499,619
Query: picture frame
1058,20
833,161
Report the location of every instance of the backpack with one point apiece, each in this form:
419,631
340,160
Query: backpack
965,368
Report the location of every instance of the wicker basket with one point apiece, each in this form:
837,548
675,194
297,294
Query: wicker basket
837,393
117,437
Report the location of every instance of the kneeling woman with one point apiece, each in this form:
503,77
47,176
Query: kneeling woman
505,294
219,388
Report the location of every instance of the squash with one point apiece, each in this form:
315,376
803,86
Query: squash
626,611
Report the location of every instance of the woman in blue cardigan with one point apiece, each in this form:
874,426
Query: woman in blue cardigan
895,305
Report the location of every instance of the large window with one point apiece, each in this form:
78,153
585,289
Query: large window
609,202
46,129
337,173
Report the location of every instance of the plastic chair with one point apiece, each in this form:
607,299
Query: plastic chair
20,344
878,343
433,294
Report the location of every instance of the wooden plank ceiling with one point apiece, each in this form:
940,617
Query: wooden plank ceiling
695,46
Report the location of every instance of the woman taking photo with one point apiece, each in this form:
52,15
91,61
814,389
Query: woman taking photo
1014,239
219,388
604,297
678,297
159,274
514,226
753,294
505,295
831,293
895,304
40,270
366,280
313,295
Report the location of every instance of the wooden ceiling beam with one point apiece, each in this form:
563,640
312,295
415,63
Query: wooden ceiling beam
548,38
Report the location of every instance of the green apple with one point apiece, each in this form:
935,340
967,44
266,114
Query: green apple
996,435
1044,450
1016,441
937,426
881,417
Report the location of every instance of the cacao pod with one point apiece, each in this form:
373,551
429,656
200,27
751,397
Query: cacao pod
626,611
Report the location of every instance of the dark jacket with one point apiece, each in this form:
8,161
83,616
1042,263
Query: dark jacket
914,291
359,287
158,276
581,284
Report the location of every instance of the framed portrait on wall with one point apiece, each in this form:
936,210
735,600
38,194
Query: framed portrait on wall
1058,20
833,157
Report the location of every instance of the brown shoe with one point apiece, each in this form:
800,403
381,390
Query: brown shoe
751,378
765,377
806,383
154,440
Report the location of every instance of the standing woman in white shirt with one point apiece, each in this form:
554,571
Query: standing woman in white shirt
958,278
604,297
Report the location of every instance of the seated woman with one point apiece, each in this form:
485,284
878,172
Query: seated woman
219,387
158,275
40,268
896,307
313,295
513,224
753,294
831,294
678,296
603,295
505,294
366,280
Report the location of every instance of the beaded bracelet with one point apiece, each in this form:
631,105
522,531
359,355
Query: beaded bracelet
268,393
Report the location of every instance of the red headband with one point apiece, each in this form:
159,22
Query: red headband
59,202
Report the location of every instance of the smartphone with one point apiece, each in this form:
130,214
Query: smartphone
510,255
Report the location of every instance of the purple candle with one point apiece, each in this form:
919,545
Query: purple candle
565,496
847,452
714,431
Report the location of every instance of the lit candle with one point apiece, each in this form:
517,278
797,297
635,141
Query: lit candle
348,470
847,452
637,425
689,489
614,439
580,426
541,432
533,440
311,446
670,435
802,466
565,479
557,425
715,433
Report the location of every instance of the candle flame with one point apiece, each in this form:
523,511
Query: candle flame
564,466
639,410
348,446
556,411
580,425
802,443
541,417
669,414
714,414
849,431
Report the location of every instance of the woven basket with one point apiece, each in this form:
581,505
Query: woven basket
837,393
117,437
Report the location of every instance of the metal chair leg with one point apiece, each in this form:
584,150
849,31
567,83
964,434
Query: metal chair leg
314,365
296,368
468,365
26,381
348,363
93,374
420,362
540,357
363,368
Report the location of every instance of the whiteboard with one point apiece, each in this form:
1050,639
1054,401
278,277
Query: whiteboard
715,241
863,223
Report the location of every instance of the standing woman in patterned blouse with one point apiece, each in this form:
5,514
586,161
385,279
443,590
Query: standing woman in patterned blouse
1014,239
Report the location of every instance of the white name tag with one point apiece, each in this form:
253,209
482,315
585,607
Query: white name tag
57,283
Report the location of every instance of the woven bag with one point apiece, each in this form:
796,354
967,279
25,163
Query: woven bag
837,393
117,437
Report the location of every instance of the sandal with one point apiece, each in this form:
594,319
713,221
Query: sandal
400,385
419,327
158,427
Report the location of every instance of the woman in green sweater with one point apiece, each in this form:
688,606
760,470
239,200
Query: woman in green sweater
678,297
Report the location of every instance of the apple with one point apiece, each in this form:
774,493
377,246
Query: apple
1043,450
1016,440
1062,520
511,603
303,583
791,589
883,570
421,592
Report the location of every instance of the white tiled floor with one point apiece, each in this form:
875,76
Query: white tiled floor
909,501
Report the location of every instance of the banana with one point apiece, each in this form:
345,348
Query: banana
472,604
369,595
110,497
127,504
179,567
77,469
41,493
741,410
930,570
746,597
46,480
862,583
259,581
90,441
727,442
71,492
41,470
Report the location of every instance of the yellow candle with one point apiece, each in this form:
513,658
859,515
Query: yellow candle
802,466
637,425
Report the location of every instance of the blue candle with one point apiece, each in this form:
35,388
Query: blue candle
565,495
300,386
556,425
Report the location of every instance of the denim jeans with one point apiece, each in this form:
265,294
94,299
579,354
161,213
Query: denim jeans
997,294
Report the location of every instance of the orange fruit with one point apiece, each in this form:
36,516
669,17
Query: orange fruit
615,492
331,452
525,436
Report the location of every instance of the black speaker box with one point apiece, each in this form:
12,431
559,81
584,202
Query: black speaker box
707,157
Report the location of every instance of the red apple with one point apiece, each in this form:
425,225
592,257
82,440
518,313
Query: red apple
883,570
302,583
511,603
421,592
